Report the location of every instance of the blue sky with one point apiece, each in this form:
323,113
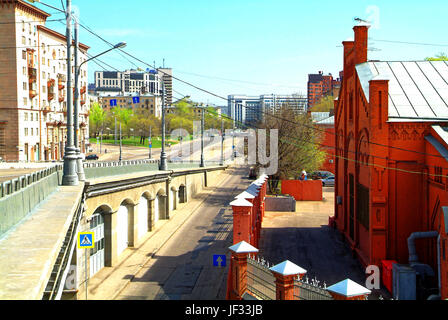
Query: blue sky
257,46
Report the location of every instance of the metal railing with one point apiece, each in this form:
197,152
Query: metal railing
260,280
55,284
310,290
14,185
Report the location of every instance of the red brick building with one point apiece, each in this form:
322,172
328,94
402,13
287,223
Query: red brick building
392,156
325,124
320,85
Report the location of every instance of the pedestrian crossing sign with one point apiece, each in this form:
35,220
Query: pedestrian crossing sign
86,240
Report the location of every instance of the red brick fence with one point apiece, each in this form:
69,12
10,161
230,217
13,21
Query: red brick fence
251,275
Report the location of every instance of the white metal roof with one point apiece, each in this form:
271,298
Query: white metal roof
418,90
243,247
240,202
348,288
329,121
288,268
245,195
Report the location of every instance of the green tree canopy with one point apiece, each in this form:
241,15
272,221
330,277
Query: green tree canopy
325,105
439,57
97,116
298,144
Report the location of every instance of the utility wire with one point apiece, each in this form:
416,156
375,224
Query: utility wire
411,43
218,96
264,112
19,22
337,156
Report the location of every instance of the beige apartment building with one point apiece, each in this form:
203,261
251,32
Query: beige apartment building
33,86
146,102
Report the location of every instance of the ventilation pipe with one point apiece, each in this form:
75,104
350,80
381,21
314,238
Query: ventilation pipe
420,268
413,257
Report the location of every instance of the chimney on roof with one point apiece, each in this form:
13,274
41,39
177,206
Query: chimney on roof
361,36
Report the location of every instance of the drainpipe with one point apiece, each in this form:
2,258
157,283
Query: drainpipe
438,264
413,257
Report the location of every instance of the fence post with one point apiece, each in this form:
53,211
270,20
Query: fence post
348,290
238,270
285,273
241,220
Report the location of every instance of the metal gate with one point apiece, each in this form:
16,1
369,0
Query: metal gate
97,253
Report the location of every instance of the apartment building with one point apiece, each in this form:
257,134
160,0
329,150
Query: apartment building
249,110
33,106
320,85
150,102
135,82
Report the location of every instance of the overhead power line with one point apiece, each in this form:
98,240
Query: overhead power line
223,98
411,43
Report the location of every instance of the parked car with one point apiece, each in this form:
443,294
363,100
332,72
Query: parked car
316,175
328,182
92,157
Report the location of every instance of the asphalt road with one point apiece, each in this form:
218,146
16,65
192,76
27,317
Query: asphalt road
183,269
212,149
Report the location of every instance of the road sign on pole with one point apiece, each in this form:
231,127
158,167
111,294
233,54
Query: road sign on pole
219,260
86,240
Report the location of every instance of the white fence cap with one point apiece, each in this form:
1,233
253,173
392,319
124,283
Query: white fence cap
287,268
241,202
243,247
349,288
245,195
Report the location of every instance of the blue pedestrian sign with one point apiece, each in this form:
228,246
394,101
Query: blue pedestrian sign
113,102
86,240
219,260
135,99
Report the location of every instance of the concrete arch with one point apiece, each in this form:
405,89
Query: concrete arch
107,213
148,195
182,193
173,199
161,192
125,225
143,216
161,205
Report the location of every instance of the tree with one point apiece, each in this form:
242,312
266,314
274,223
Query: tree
298,144
326,104
439,57
97,116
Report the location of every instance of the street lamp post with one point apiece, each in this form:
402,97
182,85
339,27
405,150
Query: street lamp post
150,143
79,158
202,164
163,158
115,132
80,168
120,158
70,177
222,141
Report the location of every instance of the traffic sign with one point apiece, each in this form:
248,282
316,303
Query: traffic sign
219,260
113,102
135,99
86,240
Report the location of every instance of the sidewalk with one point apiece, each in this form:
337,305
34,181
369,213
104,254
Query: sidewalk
108,283
305,239
29,250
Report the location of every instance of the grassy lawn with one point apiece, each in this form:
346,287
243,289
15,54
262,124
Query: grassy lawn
135,141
